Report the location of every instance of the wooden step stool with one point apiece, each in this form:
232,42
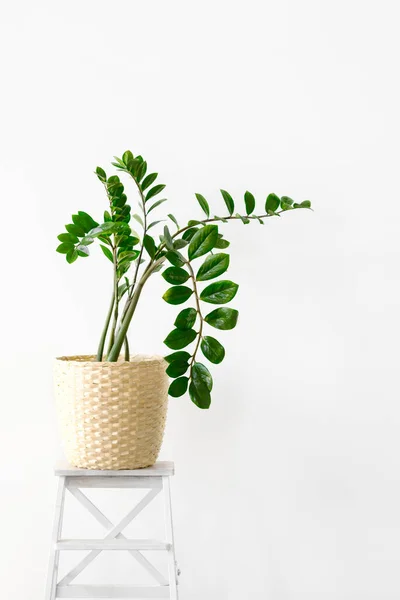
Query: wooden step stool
157,479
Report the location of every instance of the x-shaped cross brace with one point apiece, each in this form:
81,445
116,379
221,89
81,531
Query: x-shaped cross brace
114,532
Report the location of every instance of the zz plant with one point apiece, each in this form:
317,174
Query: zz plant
136,256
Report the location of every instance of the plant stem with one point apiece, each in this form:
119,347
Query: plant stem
115,319
196,295
119,340
100,349
126,346
216,219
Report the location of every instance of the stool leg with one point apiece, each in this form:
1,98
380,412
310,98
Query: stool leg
55,554
169,531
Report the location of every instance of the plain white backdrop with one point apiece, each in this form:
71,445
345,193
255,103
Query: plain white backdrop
288,488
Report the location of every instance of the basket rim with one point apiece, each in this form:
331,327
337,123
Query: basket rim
89,359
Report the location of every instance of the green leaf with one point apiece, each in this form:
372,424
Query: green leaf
203,241
178,387
219,292
107,252
71,256
65,247
189,233
105,228
177,368
200,371
154,223
181,355
75,230
77,221
305,204
127,157
107,217
179,338
213,266
230,205
192,223
168,239
222,318
150,245
179,244
203,203
156,204
139,219
173,219
221,244
82,250
154,191
199,389
148,180
177,295
287,200
186,318
250,202
175,258
68,237
272,203
175,275
87,221
101,174
212,349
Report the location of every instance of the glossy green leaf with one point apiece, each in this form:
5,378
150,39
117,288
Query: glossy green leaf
203,203
177,368
189,233
272,203
192,223
203,241
305,204
175,258
213,266
178,387
107,252
148,180
212,349
287,200
175,275
179,338
178,294
222,318
186,318
87,221
75,229
180,355
71,256
250,202
68,237
200,386
245,220
153,206
154,191
101,174
65,247
127,157
150,245
230,205
221,244
219,292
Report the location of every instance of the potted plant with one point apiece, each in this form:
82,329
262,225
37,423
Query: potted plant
113,405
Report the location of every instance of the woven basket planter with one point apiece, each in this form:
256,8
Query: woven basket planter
112,414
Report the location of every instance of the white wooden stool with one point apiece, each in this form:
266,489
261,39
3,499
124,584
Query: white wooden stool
156,478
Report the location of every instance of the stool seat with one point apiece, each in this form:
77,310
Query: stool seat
159,469
73,479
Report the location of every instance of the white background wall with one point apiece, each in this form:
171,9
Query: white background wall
288,488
